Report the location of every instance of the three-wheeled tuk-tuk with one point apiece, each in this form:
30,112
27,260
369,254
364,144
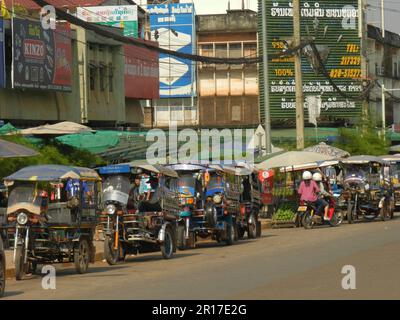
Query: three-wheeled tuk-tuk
209,198
52,216
394,161
2,269
250,201
140,210
367,188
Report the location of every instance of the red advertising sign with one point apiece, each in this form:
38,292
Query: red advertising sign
267,182
42,59
141,73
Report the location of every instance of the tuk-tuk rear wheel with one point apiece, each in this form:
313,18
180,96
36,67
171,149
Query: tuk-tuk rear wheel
82,256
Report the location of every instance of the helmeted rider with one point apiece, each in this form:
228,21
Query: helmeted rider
308,189
322,204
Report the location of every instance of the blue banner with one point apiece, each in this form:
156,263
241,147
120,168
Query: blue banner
2,56
173,27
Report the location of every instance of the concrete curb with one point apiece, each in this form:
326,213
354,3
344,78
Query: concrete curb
10,272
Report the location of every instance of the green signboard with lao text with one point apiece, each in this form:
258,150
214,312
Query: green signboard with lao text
333,26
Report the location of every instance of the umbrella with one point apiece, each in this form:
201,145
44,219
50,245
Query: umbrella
13,150
328,150
292,158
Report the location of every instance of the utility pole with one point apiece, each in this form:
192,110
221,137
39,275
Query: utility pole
267,115
383,18
363,35
298,76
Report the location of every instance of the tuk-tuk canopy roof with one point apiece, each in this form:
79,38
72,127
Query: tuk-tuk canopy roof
391,158
311,165
363,160
53,172
186,167
156,168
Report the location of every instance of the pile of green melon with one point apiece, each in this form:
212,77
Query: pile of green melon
286,212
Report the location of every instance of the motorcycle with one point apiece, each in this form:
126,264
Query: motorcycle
307,212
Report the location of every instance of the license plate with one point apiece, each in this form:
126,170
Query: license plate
302,208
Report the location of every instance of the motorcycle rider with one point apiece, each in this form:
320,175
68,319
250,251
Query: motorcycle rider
322,204
308,189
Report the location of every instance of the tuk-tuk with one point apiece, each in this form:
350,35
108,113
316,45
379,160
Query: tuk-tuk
250,201
140,210
367,188
52,215
2,268
209,198
394,161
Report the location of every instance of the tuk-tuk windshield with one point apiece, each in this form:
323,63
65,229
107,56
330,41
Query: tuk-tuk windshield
25,194
187,185
357,170
118,182
215,181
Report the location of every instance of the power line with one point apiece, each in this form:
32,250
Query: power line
109,34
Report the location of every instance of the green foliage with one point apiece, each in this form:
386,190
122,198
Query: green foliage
365,139
51,152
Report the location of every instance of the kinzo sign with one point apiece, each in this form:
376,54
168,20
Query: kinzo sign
334,28
34,49
42,58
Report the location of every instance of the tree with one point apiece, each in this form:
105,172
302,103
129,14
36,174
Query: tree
363,139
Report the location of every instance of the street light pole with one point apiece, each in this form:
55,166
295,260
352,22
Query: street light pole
267,115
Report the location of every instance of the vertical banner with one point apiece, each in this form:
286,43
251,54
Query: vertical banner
334,28
2,56
42,59
173,27
124,17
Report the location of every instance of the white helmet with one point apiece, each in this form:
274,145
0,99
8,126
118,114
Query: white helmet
307,175
317,177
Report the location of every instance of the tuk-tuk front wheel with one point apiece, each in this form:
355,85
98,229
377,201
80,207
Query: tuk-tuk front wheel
20,266
82,256
110,253
182,242
384,212
167,248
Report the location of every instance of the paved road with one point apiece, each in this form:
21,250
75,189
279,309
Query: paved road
283,264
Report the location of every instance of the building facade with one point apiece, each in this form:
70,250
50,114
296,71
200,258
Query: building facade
383,58
98,95
228,94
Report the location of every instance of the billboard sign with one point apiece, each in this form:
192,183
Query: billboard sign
2,56
334,26
173,27
42,59
124,17
141,73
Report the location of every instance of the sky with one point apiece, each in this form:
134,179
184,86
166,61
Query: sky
392,10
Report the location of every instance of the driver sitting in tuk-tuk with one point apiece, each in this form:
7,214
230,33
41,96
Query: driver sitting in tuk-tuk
134,193
152,201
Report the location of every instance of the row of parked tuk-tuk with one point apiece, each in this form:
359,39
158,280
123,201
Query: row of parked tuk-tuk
53,211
